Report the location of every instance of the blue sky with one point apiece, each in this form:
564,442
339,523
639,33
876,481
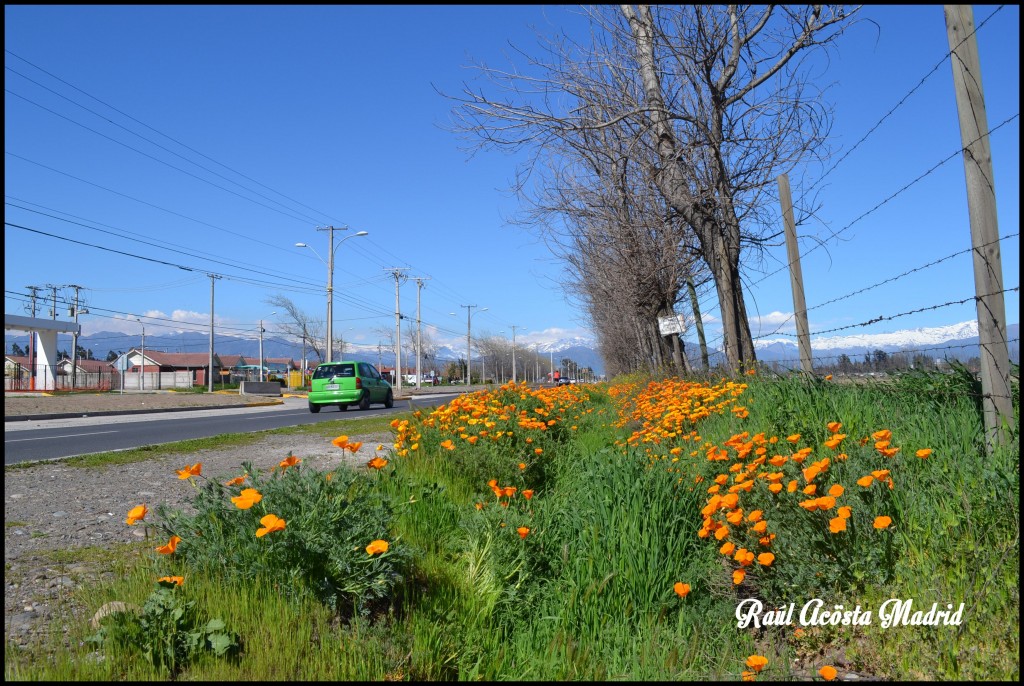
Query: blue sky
329,115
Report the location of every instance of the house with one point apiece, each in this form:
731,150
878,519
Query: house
168,370
85,367
17,370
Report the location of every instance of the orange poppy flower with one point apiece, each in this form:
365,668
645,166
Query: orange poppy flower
510,491
136,514
341,442
765,559
882,522
737,576
810,505
523,531
354,447
271,523
190,470
236,481
247,498
681,589
810,489
378,546
289,461
170,546
528,493
791,487
176,580
828,672
924,453
836,525
721,532
834,427
377,463
865,481
538,450
774,488
727,548
755,516
761,527
880,474
479,506
845,512
448,445
826,502
757,662
828,377
748,676
883,435
836,490
793,438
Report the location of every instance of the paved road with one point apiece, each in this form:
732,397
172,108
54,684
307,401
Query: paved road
57,438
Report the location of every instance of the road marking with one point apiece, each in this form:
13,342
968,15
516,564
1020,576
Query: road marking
46,438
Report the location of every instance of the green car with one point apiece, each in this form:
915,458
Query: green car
348,383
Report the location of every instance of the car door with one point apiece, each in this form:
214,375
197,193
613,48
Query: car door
370,383
382,385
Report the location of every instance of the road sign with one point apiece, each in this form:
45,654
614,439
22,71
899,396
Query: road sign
675,323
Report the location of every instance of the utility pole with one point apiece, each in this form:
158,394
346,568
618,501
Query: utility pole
981,205
698,322
796,276
209,373
32,341
53,310
419,350
397,272
75,311
379,355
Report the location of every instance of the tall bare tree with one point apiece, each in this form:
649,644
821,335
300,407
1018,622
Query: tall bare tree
708,103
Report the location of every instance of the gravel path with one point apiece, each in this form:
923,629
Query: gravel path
86,403
54,507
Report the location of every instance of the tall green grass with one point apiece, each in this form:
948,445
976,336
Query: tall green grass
587,593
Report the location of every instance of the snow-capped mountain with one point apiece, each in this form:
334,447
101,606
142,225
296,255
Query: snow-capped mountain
955,340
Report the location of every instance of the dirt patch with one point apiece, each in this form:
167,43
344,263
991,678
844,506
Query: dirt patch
56,517
88,403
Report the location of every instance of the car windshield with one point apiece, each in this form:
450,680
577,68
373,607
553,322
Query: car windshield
326,371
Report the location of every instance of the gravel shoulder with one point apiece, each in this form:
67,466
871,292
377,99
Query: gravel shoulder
56,516
87,403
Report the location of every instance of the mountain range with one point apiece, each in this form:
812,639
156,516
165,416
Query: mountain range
959,341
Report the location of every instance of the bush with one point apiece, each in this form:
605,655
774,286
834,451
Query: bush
296,528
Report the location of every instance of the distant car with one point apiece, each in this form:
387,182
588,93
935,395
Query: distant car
348,383
563,381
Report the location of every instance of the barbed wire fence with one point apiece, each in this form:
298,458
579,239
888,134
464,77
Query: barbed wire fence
983,247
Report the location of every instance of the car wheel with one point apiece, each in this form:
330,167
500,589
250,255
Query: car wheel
314,408
364,402
342,407
389,402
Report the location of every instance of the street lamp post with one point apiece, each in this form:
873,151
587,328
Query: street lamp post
330,279
469,316
261,345
341,352
514,327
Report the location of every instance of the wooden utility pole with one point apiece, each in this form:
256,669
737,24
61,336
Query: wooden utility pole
74,337
209,372
981,205
796,277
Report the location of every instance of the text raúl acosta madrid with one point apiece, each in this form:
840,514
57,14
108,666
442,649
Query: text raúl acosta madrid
893,612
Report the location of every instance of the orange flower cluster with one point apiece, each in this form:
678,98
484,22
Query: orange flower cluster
343,443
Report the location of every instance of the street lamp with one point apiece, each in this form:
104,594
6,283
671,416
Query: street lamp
469,317
261,345
341,352
330,279
514,327
142,375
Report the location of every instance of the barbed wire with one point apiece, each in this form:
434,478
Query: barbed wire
889,280
818,358
904,314
902,100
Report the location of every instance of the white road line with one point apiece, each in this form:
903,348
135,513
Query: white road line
46,438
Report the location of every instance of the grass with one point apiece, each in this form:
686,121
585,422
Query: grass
587,594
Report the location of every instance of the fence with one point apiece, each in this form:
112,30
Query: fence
18,378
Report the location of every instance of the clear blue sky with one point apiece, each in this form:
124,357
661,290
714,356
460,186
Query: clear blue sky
331,115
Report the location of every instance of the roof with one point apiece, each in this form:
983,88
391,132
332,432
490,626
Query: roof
23,360
187,360
91,366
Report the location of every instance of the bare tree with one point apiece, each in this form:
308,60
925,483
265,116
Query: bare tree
300,325
710,103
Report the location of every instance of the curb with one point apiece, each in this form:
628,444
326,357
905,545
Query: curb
73,415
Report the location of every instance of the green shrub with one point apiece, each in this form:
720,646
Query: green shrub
329,520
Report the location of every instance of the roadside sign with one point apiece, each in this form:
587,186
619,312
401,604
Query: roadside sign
673,324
